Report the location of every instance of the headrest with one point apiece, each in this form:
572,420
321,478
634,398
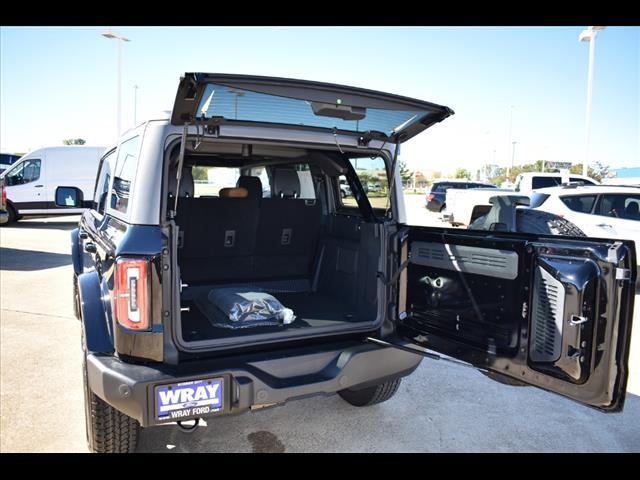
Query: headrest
252,184
237,192
286,183
186,183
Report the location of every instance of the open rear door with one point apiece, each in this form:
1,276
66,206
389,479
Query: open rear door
553,312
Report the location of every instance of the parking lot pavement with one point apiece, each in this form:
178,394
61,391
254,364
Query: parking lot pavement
439,408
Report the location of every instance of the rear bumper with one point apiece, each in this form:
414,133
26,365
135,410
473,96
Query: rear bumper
268,380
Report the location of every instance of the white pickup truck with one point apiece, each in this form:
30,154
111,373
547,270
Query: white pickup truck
465,206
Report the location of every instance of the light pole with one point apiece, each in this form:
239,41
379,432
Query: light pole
112,35
135,104
513,153
589,35
510,127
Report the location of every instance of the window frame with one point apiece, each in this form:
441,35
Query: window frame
96,204
22,165
113,211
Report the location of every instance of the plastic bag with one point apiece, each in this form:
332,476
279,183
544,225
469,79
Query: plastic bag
243,309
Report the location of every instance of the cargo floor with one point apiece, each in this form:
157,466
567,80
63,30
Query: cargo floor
312,309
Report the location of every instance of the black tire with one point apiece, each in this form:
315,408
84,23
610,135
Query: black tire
13,217
108,430
371,395
536,221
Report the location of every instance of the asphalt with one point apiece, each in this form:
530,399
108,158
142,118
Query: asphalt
439,408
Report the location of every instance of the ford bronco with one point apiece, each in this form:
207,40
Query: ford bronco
237,199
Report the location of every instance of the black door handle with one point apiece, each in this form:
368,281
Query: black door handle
38,186
82,235
90,247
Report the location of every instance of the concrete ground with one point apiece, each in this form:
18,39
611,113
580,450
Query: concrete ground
439,408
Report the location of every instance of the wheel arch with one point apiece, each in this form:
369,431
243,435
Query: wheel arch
94,314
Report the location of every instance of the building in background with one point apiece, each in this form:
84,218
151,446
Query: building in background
623,176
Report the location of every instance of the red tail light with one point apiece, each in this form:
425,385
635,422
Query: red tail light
132,293
429,197
4,196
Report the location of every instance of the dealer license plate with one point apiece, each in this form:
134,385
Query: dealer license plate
179,401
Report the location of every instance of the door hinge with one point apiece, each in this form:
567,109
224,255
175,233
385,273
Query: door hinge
623,274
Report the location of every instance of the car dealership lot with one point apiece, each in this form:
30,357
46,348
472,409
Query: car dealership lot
440,408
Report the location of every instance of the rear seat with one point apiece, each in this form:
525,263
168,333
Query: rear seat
241,236
287,230
218,235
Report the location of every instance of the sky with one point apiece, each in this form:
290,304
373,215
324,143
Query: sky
61,82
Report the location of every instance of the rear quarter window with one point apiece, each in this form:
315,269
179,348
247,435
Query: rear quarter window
579,203
124,173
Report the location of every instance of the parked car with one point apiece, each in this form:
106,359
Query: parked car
200,306
31,182
599,211
6,160
4,214
464,207
436,199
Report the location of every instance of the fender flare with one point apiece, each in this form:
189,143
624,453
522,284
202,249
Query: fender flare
94,315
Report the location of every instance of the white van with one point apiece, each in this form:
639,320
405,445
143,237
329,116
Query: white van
31,182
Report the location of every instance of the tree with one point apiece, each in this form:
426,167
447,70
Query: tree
598,172
74,141
405,173
200,173
462,173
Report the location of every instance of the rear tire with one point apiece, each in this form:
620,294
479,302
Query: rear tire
371,395
108,430
13,217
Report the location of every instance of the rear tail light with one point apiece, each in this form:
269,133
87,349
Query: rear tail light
4,195
429,197
132,293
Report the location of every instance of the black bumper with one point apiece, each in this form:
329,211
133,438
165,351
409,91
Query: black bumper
269,380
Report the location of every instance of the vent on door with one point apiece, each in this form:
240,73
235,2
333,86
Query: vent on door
547,317
482,261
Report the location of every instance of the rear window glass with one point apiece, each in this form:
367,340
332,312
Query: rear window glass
579,203
238,104
544,182
124,173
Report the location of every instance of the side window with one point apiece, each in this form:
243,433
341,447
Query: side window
26,172
372,174
579,203
619,206
582,180
208,181
124,173
102,183
544,182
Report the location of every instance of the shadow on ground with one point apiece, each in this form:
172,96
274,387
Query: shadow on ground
43,225
30,260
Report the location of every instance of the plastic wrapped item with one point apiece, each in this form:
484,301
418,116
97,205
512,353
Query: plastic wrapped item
244,309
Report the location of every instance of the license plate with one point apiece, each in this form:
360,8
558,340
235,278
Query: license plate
179,401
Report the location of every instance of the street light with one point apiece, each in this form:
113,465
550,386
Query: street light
510,128
114,36
135,103
513,153
589,35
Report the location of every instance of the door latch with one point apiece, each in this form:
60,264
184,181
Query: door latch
577,320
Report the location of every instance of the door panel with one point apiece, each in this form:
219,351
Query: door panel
550,311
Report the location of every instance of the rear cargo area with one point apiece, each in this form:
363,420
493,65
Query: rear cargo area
321,266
